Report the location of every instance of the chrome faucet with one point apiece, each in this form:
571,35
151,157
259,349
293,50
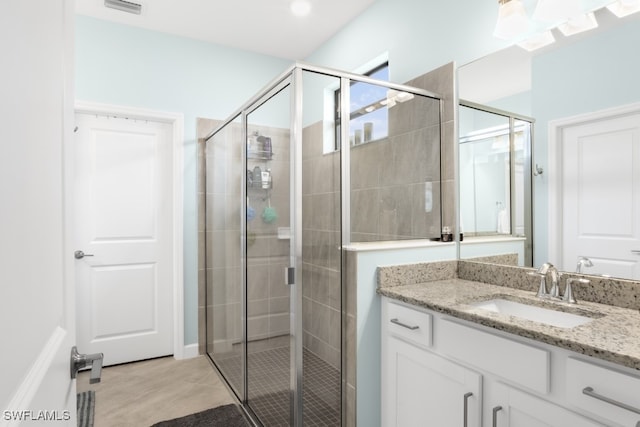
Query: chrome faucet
583,262
548,269
545,270
568,292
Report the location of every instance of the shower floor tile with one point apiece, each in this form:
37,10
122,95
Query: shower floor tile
269,387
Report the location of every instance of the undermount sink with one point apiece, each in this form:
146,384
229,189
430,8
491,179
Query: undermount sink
534,313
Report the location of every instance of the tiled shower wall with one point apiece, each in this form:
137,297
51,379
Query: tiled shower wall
442,81
392,177
321,242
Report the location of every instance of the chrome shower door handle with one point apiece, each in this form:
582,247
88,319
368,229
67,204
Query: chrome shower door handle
80,254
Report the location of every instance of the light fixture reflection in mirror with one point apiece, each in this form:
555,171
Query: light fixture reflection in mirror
549,85
622,8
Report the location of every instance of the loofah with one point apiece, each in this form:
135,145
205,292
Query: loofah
269,215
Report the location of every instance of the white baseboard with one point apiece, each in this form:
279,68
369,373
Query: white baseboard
188,352
29,388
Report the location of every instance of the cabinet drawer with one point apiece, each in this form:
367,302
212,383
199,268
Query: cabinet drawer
410,324
516,362
604,392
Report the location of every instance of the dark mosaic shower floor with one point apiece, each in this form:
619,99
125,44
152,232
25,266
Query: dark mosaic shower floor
269,387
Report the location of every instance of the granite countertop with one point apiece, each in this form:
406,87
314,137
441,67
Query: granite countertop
613,335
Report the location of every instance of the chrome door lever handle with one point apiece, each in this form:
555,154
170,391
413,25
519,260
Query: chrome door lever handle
79,361
80,255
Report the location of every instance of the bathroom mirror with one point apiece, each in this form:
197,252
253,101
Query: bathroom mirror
585,73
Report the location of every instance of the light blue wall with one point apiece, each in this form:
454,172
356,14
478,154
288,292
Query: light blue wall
590,75
419,35
127,66
368,328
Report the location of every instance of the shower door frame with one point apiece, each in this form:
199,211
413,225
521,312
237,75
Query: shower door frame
293,77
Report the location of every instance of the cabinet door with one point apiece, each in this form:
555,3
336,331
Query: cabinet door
514,408
422,389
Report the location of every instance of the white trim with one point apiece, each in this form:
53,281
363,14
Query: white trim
189,351
177,122
554,153
30,386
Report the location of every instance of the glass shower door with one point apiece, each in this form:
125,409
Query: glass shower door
268,254
223,228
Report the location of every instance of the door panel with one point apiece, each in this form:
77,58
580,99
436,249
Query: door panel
125,288
427,389
38,328
601,198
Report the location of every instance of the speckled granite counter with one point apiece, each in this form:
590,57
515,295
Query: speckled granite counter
613,335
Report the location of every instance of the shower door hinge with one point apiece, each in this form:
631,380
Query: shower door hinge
290,275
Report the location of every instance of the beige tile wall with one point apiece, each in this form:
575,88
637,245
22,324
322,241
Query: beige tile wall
389,177
442,81
322,330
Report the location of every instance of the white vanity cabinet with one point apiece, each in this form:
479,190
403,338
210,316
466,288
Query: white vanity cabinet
420,388
511,407
604,392
432,361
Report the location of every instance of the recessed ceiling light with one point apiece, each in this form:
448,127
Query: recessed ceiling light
300,7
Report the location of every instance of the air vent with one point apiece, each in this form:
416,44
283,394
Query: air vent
125,6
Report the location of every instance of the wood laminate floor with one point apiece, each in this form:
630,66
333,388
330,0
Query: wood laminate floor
142,393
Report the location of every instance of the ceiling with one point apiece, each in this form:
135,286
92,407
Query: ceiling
262,26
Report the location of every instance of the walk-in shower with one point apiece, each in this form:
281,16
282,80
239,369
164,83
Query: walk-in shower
317,160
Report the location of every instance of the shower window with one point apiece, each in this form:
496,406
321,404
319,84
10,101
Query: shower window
369,118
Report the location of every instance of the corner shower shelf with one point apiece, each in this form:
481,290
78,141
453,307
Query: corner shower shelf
260,155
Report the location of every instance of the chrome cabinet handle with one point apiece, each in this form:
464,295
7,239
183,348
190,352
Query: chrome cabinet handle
466,407
80,255
589,392
404,325
495,417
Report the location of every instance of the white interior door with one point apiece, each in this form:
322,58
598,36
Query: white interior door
601,195
124,227
37,320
